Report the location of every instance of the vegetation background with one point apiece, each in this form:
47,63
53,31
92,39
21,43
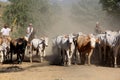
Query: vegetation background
54,17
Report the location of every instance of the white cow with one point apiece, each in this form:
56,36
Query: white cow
39,45
4,48
65,47
113,41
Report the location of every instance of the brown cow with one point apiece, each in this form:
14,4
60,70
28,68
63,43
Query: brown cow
85,45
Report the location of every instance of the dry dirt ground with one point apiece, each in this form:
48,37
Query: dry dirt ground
44,71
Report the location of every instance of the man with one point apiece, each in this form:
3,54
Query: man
98,28
5,31
29,32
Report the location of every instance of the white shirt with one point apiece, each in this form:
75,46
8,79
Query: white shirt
5,31
29,31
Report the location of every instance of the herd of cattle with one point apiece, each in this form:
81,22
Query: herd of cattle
9,47
77,46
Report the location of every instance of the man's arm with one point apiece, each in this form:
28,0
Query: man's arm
32,30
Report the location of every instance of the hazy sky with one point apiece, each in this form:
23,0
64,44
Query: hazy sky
3,0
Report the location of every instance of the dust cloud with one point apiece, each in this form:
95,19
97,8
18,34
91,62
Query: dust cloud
71,16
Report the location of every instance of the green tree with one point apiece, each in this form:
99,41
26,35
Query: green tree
39,12
17,9
111,5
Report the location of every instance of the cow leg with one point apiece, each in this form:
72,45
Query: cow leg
78,59
1,56
27,50
115,57
41,55
75,57
23,55
44,54
11,55
64,57
115,61
68,58
18,58
31,57
7,54
82,57
37,51
61,53
31,54
104,54
86,58
89,56
100,54
4,55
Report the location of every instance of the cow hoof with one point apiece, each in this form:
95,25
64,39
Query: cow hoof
85,64
1,63
89,64
19,62
74,63
115,66
69,64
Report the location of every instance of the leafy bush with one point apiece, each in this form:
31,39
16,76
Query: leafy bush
111,5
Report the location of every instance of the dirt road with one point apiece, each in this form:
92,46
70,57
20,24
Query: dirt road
43,71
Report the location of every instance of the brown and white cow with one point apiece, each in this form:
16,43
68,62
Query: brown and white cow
85,45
